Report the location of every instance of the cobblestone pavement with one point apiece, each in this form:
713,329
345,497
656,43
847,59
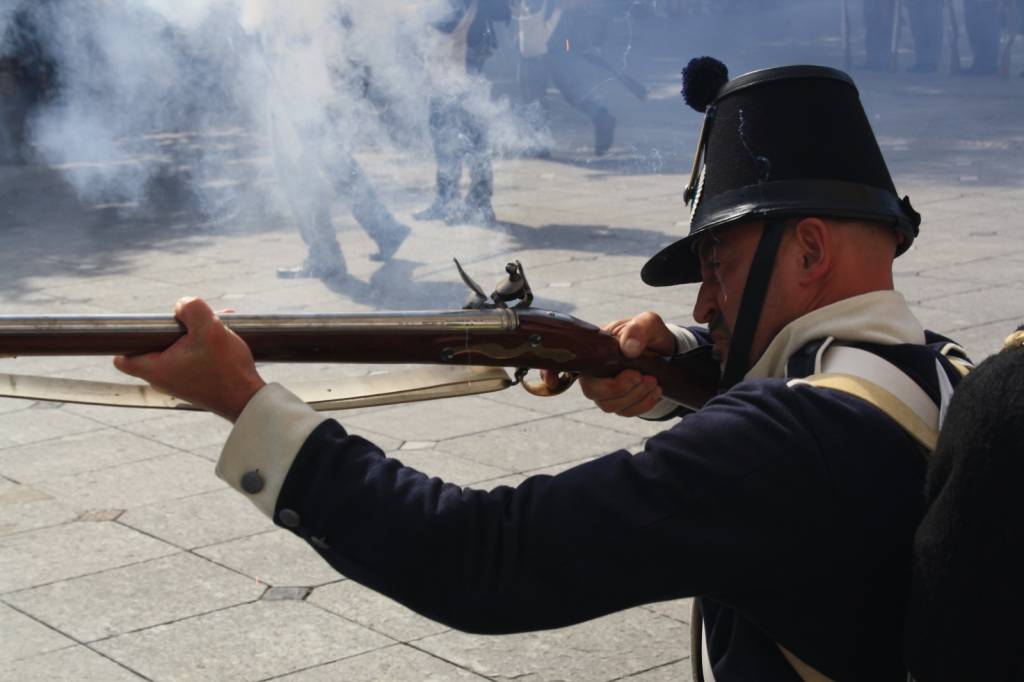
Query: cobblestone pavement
122,557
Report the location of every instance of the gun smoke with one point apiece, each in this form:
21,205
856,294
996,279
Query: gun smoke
189,93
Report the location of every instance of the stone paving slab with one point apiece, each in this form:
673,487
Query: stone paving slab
183,430
23,508
361,605
680,671
164,477
78,664
77,454
962,311
32,638
635,427
276,558
603,649
678,609
13,405
447,419
34,424
207,518
397,663
135,597
919,289
246,643
43,556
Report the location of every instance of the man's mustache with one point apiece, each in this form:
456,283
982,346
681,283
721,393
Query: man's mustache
718,328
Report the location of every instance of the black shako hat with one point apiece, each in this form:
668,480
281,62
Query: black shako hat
785,142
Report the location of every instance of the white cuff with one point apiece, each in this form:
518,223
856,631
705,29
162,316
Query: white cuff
685,340
263,444
661,409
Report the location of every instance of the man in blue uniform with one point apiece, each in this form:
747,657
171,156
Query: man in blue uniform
788,503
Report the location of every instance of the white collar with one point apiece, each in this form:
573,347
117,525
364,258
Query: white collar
876,317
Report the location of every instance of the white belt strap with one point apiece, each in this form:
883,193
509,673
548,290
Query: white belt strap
705,656
861,363
879,382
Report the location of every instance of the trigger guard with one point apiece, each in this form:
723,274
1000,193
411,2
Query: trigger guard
539,388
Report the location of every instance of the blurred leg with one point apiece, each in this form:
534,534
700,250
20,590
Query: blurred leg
373,216
982,22
481,173
926,27
574,79
445,134
877,32
309,201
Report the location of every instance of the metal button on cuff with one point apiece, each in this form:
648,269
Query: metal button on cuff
252,482
289,518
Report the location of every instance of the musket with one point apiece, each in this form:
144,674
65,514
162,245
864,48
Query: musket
491,334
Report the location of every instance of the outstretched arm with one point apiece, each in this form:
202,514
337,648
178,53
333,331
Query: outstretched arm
210,366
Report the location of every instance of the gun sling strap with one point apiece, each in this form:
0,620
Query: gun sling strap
880,383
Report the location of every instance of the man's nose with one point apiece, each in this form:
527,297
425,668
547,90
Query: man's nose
704,308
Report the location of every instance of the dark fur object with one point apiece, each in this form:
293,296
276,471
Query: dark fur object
966,613
703,77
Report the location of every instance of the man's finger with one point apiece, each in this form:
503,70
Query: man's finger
609,389
141,366
637,400
193,312
646,331
640,407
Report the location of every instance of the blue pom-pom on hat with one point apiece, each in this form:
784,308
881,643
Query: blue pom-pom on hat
703,77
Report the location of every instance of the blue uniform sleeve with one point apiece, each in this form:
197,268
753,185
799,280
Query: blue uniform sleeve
727,499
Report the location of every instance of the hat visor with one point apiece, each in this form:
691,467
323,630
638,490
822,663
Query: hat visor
675,264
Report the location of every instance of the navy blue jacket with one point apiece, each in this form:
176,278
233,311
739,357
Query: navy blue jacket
791,510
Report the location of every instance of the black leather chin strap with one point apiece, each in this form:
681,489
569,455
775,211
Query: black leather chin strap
738,362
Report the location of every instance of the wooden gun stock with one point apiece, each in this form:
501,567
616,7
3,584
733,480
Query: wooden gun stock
503,337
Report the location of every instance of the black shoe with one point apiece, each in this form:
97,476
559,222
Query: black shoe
309,271
388,243
604,133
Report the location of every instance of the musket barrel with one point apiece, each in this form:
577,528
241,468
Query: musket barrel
455,320
303,337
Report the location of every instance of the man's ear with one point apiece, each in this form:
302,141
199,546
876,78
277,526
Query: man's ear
814,248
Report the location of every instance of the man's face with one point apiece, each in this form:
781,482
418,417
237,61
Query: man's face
725,259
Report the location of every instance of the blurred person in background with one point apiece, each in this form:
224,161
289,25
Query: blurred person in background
555,39
459,134
27,75
314,95
925,28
